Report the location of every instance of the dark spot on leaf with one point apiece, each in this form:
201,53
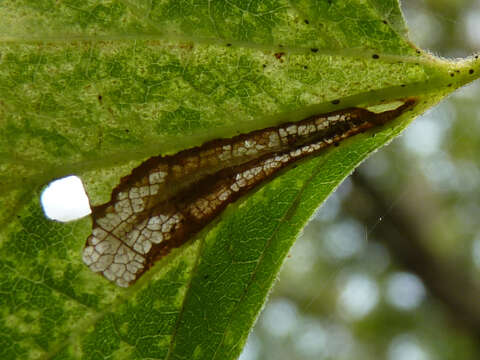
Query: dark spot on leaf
385,22
452,74
264,66
229,44
305,67
280,45
279,55
127,131
306,21
314,50
375,56
187,46
471,71
403,85
419,52
449,85
336,102
100,98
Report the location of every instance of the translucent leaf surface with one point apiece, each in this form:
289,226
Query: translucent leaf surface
96,87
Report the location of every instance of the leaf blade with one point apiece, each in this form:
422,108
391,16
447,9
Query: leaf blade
96,70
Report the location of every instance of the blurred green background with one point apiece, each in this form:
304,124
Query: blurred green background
389,267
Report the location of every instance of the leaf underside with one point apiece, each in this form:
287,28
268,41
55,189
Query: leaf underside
95,87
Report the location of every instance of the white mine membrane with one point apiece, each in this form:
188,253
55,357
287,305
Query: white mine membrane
65,200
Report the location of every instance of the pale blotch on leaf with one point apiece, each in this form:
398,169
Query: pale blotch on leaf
168,199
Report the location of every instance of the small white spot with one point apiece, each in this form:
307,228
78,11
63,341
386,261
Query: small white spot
154,189
143,245
128,276
122,195
247,174
122,283
108,246
154,223
134,193
132,237
133,267
118,269
147,245
295,153
274,140
225,155
144,191
249,143
292,129
109,274
156,237
146,233
121,259
257,170
89,255
137,205
113,219
321,123
166,227
102,263
65,200
224,196
97,236
241,182
302,130
157,177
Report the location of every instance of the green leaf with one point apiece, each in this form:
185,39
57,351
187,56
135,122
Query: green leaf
96,87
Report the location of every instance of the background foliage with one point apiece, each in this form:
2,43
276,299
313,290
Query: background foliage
95,87
389,267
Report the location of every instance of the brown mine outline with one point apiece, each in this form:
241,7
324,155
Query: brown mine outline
360,121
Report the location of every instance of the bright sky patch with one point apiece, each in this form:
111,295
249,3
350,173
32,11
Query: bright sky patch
65,200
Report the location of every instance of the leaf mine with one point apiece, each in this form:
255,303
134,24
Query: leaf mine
167,199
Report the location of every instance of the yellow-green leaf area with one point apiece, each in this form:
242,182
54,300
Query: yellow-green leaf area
93,88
